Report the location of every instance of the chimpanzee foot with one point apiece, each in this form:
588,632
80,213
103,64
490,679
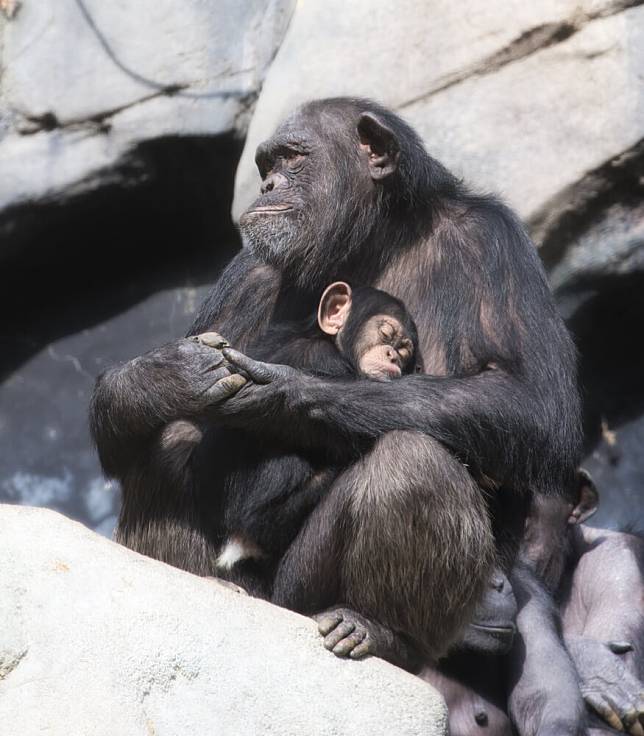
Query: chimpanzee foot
345,633
212,340
608,686
349,634
227,584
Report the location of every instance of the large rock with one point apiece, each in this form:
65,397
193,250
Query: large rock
518,98
97,639
84,81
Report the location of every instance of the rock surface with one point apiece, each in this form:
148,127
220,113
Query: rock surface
85,81
99,640
518,98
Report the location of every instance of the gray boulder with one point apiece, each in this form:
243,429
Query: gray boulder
521,99
84,81
99,640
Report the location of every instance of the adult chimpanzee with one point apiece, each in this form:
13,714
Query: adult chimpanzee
263,494
349,192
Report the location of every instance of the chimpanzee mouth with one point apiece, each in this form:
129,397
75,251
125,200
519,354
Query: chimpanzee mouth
269,209
501,632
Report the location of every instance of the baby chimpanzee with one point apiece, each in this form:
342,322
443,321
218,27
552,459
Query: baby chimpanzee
267,493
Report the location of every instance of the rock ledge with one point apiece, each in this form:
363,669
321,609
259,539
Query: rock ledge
99,640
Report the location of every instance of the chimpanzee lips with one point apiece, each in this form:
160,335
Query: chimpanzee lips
269,208
499,631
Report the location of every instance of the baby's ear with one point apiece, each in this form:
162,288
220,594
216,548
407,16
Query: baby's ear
587,498
334,308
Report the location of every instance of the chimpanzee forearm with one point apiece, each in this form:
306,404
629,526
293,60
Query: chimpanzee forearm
132,402
495,423
544,696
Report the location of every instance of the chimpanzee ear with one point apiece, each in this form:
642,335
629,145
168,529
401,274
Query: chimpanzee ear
381,145
334,308
587,498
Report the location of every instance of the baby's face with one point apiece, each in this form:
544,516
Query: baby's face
383,348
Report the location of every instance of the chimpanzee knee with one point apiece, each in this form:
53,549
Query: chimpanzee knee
388,527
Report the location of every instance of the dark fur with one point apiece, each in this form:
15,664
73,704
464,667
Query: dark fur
501,395
266,494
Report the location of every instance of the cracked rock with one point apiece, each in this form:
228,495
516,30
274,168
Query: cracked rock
84,81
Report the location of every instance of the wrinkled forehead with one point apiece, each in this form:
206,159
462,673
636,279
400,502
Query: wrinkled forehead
313,122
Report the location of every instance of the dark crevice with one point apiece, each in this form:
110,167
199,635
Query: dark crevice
157,220
530,42
607,328
48,121
571,212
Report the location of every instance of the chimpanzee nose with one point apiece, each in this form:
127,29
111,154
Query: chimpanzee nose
267,185
497,583
392,355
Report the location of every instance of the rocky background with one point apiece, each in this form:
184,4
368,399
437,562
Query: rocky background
126,128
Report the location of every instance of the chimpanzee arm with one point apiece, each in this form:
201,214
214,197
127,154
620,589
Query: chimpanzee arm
132,402
603,624
513,431
544,696
604,605
506,402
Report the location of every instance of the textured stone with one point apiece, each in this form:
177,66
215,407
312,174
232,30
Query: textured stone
99,640
518,98
85,80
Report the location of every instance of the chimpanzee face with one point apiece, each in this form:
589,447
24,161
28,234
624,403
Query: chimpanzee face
298,179
492,628
372,330
318,198
383,349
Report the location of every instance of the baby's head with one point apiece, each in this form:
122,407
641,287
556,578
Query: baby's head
372,330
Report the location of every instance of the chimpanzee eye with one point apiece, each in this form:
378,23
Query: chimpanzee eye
386,331
293,159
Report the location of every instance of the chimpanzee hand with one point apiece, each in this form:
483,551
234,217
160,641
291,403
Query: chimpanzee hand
606,683
348,634
202,370
269,386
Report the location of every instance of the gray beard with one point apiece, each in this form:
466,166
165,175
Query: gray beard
282,242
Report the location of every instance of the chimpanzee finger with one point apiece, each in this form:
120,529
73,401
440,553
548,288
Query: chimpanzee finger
349,643
212,340
224,388
602,708
621,703
364,649
258,371
327,621
635,726
629,721
340,632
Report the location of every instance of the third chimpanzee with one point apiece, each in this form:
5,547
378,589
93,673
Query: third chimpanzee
404,534
266,494
595,652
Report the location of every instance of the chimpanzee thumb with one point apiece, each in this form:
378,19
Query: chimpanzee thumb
256,370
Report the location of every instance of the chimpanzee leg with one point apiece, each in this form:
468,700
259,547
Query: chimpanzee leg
161,513
403,537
